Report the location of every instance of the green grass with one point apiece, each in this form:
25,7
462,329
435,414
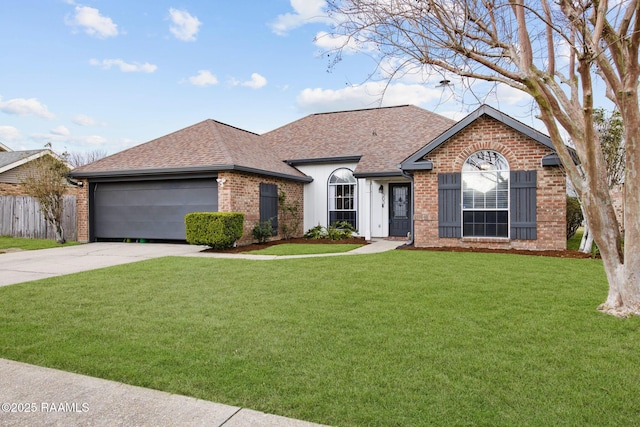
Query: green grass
393,339
7,242
574,241
305,249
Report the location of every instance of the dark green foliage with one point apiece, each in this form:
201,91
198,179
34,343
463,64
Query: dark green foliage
317,232
337,231
219,230
574,216
262,231
290,216
340,230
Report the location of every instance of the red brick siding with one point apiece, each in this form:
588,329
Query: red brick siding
10,189
82,211
522,153
241,193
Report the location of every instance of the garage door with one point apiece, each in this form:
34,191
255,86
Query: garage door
150,209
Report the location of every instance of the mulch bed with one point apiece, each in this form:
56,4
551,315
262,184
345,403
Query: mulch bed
361,241
557,254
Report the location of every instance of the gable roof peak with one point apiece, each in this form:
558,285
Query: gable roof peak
416,160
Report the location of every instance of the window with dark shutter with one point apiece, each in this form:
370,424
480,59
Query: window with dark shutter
523,205
449,222
269,205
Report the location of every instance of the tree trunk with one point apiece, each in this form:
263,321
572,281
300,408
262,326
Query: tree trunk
623,272
586,245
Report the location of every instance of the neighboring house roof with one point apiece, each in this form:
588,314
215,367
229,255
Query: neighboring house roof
208,146
13,159
418,160
4,148
380,138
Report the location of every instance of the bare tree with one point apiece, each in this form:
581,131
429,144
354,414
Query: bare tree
609,129
77,159
46,181
558,52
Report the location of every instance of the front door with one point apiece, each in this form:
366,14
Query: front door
400,210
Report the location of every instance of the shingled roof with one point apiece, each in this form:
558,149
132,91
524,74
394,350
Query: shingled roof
381,137
207,146
12,159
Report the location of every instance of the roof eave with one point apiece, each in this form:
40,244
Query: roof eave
212,170
34,156
423,165
323,160
385,174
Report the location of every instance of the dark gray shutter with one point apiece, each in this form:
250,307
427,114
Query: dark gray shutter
523,205
449,210
269,205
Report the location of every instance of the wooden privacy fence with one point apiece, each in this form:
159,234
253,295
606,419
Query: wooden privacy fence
20,216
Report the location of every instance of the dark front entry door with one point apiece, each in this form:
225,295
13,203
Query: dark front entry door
400,210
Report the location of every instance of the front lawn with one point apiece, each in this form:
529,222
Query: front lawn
8,242
398,338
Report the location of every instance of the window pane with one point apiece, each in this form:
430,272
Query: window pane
485,195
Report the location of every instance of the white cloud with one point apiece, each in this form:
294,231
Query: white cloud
125,67
9,133
60,131
83,120
368,95
25,107
305,11
257,81
61,135
328,41
185,26
204,78
510,95
92,22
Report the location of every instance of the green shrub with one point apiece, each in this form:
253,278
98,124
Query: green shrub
219,230
290,215
317,232
337,231
574,216
262,231
340,230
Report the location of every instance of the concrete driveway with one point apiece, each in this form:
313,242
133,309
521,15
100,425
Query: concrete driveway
17,267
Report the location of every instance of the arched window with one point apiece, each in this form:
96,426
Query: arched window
342,197
485,195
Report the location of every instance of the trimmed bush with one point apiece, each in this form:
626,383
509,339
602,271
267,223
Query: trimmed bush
219,230
262,231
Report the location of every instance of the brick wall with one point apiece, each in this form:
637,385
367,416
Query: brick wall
241,193
10,189
522,153
82,211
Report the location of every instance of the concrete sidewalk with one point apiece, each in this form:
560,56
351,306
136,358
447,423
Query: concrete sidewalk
35,396
24,266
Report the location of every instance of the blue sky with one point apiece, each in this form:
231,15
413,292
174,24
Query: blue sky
110,74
